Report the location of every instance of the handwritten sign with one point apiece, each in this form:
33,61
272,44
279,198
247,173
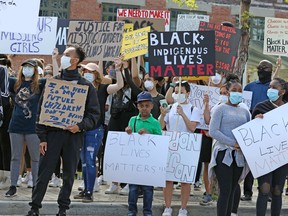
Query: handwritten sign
275,36
63,103
62,33
41,43
100,40
183,156
19,16
138,23
181,53
226,45
264,141
146,14
190,22
128,27
135,43
136,159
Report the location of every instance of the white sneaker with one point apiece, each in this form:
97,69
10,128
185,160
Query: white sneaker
182,212
26,177
96,187
125,191
167,212
113,189
101,180
19,181
55,182
81,186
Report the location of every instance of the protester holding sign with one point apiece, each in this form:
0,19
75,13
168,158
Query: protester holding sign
274,181
182,117
227,159
93,138
26,90
144,123
69,141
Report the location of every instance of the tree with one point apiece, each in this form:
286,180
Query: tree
189,3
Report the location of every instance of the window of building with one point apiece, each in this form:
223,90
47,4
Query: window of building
257,25
56,8
109,11
174,16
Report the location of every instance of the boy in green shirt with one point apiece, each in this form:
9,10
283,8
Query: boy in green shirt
144,123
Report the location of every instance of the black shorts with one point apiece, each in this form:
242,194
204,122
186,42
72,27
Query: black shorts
206,149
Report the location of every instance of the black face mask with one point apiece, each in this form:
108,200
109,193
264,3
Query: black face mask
264,76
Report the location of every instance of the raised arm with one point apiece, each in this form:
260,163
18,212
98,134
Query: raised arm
112,88
55,54
135,72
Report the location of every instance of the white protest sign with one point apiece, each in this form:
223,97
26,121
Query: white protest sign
275,36
19,16
183,157
190,22
196,99
247,98
136,159
40,43
264,142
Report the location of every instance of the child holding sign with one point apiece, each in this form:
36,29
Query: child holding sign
143,123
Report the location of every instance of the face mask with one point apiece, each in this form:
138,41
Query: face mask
28,72
182,98
89,76
273,94
149,85
235,97
216,79
223,98
65,62
223,81
264,76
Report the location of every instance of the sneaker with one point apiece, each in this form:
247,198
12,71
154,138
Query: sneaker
30,183
125,191
19,181
131,214
81,186
96,187
80,195
167,212
113,189
101,180
55,182
26,177
62,212
88,197
246,198
182,212
197,186
11,192
207,200
33,212
233,214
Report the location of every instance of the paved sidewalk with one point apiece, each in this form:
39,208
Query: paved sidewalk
114,204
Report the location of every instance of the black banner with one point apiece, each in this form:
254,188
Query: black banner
62,32
181,53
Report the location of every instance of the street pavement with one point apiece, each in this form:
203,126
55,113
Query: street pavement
115,204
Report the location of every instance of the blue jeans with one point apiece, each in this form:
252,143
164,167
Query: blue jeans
92,143
147,199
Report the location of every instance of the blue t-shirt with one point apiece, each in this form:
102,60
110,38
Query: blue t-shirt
23,118
259,92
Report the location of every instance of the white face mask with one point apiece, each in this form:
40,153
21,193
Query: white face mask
181,99
223,98
65,62
149,85
89,76
28,72
216,79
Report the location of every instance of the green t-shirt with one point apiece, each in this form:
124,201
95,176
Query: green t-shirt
151,124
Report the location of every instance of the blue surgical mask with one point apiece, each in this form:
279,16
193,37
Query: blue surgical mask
272,94
235,97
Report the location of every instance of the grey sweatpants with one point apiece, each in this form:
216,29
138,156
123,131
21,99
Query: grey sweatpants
17,143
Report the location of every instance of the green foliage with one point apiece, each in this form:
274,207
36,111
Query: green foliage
246,19
189,3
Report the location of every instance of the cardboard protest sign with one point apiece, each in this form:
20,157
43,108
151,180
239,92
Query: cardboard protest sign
264,141
135,43
41,43
226,45
275,36
190,22
138,23
142,158
101,41
128,27
181,53
196,99
19,16
63,103
183,156
195,78
147,15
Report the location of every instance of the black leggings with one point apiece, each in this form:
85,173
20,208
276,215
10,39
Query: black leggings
228,177
272,182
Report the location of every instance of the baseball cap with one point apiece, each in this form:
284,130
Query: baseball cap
31,62
91,67
144,96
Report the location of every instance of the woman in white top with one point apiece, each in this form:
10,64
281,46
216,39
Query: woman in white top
182,117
